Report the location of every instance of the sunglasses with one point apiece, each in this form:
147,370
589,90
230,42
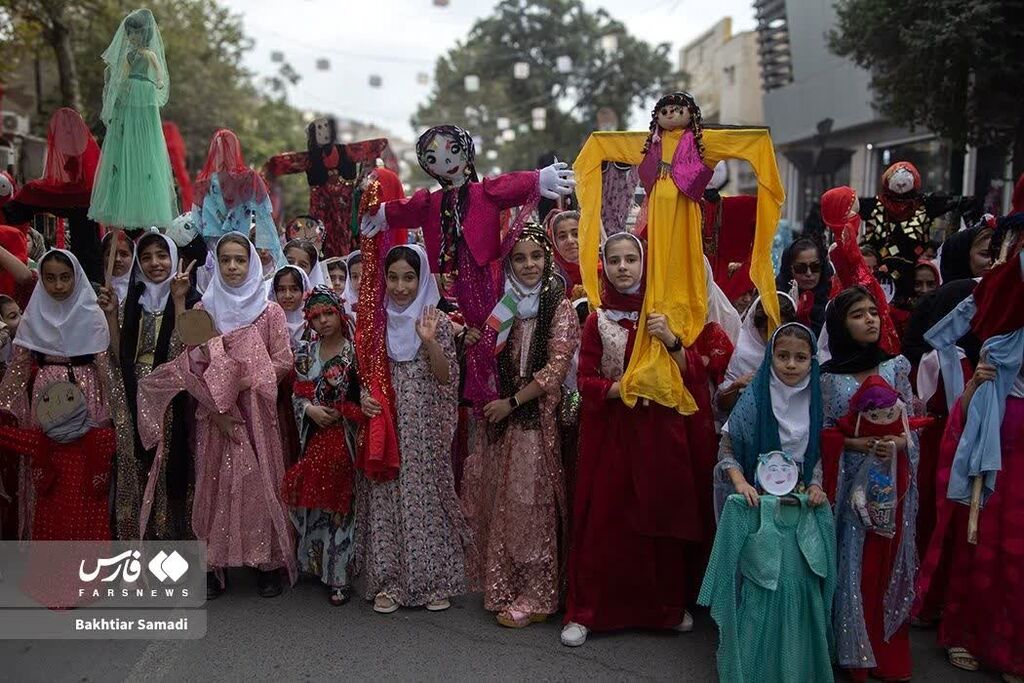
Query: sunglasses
804,268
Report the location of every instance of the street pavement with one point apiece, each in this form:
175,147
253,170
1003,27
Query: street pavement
300,637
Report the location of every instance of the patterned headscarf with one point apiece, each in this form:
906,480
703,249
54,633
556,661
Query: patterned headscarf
322,298
455,200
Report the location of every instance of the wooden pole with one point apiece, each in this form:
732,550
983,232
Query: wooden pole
972,520
115,239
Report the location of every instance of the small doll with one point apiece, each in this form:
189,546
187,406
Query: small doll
877,411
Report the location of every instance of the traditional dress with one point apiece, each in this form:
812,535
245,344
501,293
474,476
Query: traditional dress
237,510
513,485
876,574
770,585
148,340
636,497
319,487
65,484
412,530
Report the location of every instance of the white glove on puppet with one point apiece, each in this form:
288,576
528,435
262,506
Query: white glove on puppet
374,223
556,180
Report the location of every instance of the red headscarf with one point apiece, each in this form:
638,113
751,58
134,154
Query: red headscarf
611,298
13,240
72,156
238,182
850,266
569,269
900,207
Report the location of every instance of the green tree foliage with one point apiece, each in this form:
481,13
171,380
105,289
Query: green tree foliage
945,65
538,32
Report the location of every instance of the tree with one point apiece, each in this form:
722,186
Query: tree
945,65
539,32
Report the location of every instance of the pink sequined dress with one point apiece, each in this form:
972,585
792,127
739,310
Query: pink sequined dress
514,489
410,530
236,507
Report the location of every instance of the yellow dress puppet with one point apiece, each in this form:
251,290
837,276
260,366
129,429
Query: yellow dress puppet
675,161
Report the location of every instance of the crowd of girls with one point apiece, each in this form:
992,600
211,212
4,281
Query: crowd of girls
568,498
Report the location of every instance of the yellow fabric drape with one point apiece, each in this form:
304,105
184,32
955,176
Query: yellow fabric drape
675,267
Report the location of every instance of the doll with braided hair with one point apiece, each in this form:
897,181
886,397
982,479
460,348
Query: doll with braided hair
519,537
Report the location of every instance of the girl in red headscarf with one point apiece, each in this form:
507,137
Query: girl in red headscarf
636,519
563,231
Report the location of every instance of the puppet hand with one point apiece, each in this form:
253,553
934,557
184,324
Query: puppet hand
556,180
373,224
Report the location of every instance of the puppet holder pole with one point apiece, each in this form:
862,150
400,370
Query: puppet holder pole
972,520
115,239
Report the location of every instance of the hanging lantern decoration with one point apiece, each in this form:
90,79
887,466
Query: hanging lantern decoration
376,81
610,43
539,124
521,70
471,83
323,64
499,140
540,118
470,112
478,143
440,3
564,64
491,154
502,122
508,135
523,127
277,57
422,78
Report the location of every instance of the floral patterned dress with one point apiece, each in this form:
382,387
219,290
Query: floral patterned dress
412,531
514,489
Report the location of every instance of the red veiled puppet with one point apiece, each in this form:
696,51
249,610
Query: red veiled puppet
378,455
13,240
65,189
838,211
728,233
176,151
8,187
636,496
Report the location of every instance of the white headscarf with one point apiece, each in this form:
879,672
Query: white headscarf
749,352
73,327
296,320
403,342
612,314
120,282
154,298
235,307
720,309
350,297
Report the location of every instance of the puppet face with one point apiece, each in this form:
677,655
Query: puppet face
322,131
6,187
306,228
61,412
902,181
447,159
673,117
777,473
882,416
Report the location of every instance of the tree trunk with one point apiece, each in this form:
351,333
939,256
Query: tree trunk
60,40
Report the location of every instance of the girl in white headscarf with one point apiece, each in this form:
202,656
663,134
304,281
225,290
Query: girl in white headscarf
412,529
288,289
124,256
62,362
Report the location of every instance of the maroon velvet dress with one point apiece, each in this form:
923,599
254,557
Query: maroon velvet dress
636,519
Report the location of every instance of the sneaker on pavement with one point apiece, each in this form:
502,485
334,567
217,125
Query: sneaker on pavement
574,635
686,625
438,605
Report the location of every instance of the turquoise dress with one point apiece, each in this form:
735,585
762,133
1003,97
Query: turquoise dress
134,187
769,585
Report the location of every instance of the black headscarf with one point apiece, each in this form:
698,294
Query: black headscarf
955,263
932,308
848,355
824,288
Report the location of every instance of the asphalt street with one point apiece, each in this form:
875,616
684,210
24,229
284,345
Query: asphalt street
300,637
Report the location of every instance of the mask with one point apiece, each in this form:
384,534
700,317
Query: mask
62,414
777,474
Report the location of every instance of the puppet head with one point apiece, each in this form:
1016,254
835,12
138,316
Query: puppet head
901,178
777,473
61,412
306,228
322,132
7,187
876,402
672,112
139,27
447,154
183,230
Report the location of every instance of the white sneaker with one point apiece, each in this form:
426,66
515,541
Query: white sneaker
686,625
438,605
574,635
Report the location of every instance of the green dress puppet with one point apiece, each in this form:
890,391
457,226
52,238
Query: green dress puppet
134,186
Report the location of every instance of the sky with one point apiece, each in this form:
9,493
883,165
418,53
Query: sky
398,39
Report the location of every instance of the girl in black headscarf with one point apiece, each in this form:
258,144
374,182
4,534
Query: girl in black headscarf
852,353
967,254
806,264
